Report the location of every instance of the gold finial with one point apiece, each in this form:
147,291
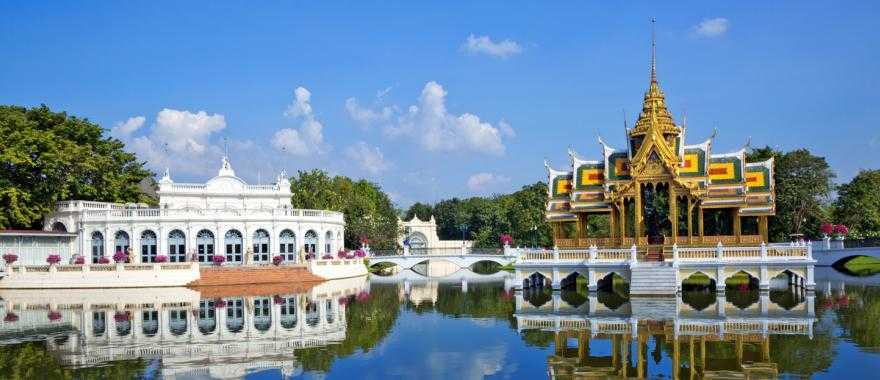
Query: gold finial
653,51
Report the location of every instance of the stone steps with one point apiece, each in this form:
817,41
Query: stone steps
653,279
212,276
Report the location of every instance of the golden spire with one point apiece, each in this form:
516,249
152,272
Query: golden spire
653,52
654,114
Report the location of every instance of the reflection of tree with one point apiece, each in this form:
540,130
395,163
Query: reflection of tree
785,298
367,323
480,301
32,361
611,300
742,298
538,297
698,299
858,312
537,338
574,298
798,354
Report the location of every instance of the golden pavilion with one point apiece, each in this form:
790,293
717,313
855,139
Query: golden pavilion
659,190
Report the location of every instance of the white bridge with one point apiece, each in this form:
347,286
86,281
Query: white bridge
463,258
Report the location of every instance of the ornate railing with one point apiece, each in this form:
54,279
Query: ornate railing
668,240
675,254
103,211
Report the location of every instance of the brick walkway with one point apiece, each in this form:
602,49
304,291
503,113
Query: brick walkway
225,276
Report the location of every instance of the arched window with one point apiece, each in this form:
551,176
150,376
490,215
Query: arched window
418,243
99,323
235,315
59,227
232,240
288,312
177,246
97,246
287,246
148,247
312,316
207,318
150,322
177,322
330,315
122,242
205,245
311,242
328,243
261,246
262,314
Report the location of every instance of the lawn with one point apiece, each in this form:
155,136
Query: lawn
863,265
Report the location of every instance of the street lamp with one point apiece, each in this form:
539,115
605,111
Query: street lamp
535,236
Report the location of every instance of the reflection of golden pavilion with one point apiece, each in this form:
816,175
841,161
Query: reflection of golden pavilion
660,187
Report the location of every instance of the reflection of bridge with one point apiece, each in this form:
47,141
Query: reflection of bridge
720,328
828,257
463,277
220,337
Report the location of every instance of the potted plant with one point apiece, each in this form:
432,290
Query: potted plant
120,316
840,231
79,260
54,316
327,256
506,240
277,260
827,229
10,317
10,258
120,257
53,259
218,260
103,260
161,259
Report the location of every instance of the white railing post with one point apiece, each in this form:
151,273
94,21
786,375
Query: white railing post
594,251
763,251
463,252
675,253
809,250
719,251
555,253
406,250
633,254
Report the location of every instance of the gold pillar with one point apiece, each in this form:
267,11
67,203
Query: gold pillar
622,220
583,347
765,349
690,206
691,358
625,355
581,225
642,353
739,351
737,224
762,228
673,213
638,213
615,351
612,216
560,344
676,353
700,222
703,352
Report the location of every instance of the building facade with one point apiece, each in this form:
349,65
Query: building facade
420,236
659,190
193,222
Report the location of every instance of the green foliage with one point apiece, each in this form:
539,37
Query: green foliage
803,185
368,210
48,156
421,210
488,218
858,204
31,360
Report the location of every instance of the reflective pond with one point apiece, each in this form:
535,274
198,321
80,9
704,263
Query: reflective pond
464,325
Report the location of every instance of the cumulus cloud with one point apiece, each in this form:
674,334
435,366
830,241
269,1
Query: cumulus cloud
367,116
367,157
435,129
714,27
309,137
186,131
124,129
485,181
485,45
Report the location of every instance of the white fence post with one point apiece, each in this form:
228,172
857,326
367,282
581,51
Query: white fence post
763,251
594,251
555,253
675,253
809,250
633,254
719,251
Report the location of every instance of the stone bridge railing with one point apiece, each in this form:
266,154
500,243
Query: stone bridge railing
676,254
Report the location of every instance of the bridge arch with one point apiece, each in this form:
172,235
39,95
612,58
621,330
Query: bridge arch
697,280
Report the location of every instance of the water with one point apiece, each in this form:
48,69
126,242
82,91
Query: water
467,326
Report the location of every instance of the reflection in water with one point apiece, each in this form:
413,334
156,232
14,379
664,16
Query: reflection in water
467,325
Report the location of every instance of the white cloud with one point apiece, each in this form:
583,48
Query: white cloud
506,129
367,157
485,181
367,116
714,27
123,129
186,131
485,45
309,138
436,129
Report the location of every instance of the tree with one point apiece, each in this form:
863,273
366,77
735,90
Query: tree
423,211
858,204
803,185
368,210
48,156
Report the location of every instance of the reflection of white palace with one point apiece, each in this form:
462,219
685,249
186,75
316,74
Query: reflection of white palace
224,337
193,222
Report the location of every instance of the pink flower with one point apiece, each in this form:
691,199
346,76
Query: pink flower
120,316
10,317
219,303
277,260
360,253
54,316
53,259
506,239
327,257
826,228
161,259
10,258
120,257
841,229
278,300
103,260
218,259
79,260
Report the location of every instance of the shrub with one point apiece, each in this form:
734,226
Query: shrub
120,257
79,260
218,259
10,258
53,259
161,259
277,260
103,260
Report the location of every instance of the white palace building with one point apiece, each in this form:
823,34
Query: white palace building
248,224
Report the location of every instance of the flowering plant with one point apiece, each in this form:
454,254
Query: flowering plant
161,259
120,316
120,257
10,317
310,256
219,303
54,316
103,260
53,259
506,239
327,257
363,296
10,258
218,259
343,301
360,253
277,260
342,254
79,260
365,240
841,230
278,300
826,228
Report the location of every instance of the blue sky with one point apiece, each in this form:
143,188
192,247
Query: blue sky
445,99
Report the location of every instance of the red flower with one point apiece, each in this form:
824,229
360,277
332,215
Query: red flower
10,317
120,316
841,229
53,259
54,316
103,260
80,260
506,239
10,258
219,303
277,260
363,296
278,300
826,228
